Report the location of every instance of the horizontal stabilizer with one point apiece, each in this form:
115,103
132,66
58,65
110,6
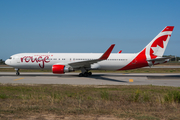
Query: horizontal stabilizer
160,59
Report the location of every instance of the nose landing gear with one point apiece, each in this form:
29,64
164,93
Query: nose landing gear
17,71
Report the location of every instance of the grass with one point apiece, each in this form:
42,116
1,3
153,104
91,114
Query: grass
127,102
173,96
171,63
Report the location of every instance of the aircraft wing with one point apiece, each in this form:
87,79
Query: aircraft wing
88,63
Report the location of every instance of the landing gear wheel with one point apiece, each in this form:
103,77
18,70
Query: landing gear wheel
17,73
80,75
86,74
90,73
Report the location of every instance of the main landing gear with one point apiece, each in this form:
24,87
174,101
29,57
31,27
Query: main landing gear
17,71
84,73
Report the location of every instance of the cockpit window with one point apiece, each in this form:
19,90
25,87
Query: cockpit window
10,58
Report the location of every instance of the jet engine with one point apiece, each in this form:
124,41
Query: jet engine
61,69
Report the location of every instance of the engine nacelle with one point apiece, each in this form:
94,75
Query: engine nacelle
61,69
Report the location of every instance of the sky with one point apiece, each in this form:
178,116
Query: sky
85,26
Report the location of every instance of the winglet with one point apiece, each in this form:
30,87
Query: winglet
120,51
107,53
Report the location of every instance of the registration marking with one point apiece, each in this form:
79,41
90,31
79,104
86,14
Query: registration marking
18,79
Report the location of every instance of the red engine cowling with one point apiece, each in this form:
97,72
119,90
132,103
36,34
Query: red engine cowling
58,69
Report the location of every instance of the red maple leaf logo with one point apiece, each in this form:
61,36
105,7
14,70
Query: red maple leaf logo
158,43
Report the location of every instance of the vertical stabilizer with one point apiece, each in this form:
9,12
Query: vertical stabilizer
153,51
157,46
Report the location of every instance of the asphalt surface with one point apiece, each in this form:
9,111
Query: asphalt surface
96,79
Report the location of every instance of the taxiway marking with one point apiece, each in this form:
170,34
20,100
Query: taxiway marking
18,79
130,80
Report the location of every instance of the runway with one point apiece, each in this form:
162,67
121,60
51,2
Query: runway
95,79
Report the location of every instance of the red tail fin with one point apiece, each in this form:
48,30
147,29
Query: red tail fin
153,50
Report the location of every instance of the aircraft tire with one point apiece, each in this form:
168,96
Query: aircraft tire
17,73
90,73
86,74
80,75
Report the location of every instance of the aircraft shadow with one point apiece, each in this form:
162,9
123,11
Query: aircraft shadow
100,77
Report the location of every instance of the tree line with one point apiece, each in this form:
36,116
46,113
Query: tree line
174,58
2,62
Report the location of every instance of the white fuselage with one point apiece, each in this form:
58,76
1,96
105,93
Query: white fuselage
115,61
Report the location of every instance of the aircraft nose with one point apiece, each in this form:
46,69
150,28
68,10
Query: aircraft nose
7,62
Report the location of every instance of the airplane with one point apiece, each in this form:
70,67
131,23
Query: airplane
61,63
